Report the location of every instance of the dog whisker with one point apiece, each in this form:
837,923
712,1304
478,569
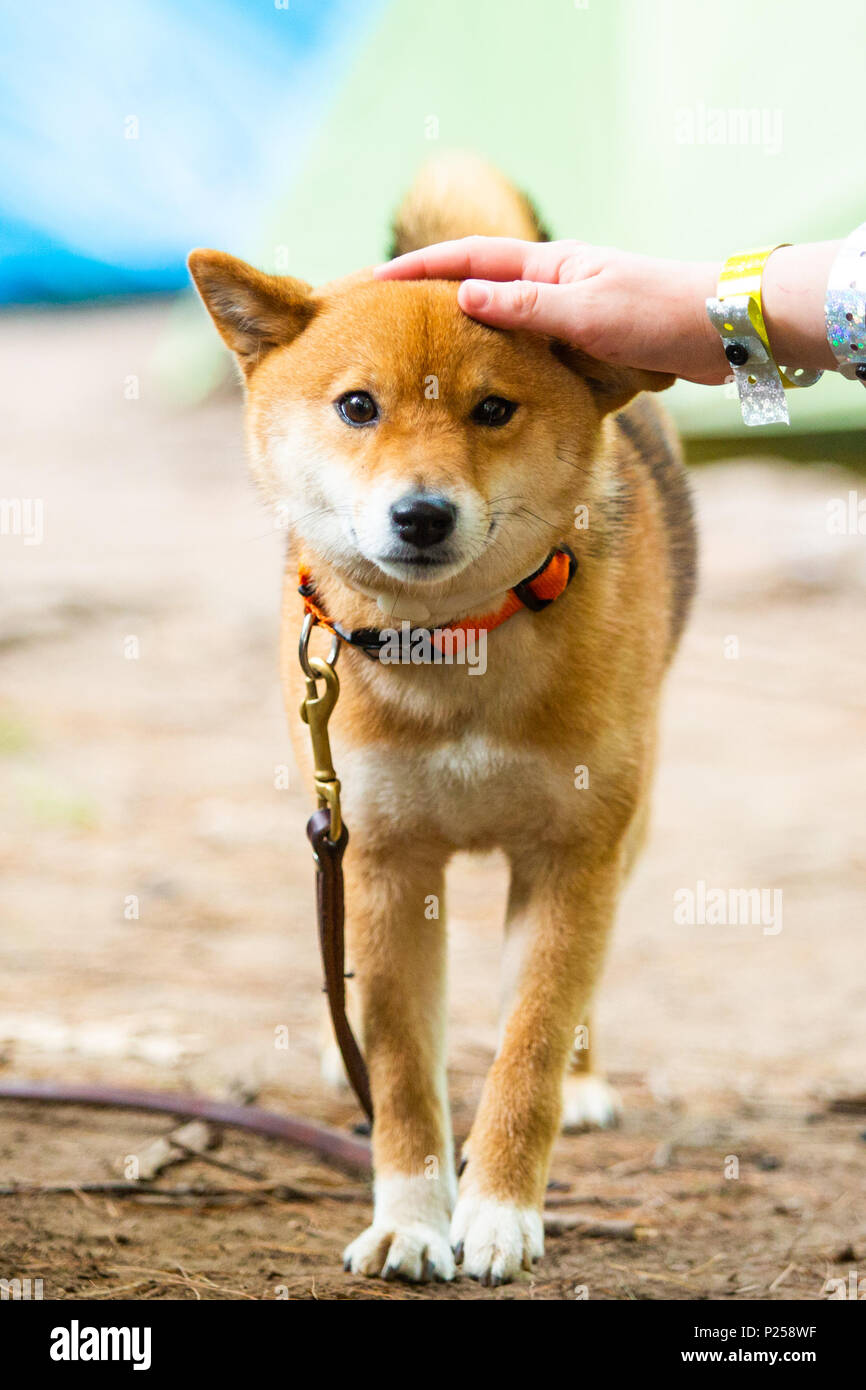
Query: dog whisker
563,458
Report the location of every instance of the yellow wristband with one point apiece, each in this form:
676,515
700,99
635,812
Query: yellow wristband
737,313
741,276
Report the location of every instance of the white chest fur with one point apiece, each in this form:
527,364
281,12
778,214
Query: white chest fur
473,791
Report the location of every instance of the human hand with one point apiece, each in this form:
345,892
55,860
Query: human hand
618,307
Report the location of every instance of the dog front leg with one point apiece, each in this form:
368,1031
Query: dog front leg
560,915
396,940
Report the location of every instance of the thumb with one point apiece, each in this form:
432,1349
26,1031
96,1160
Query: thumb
540,308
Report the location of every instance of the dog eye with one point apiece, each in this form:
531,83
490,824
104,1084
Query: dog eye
493,411
357,408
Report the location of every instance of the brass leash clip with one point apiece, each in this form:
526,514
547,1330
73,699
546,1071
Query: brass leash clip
316,710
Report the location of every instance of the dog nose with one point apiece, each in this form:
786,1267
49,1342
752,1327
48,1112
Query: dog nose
423,521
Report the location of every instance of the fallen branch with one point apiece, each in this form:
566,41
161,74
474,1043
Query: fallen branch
343,1149
279,1191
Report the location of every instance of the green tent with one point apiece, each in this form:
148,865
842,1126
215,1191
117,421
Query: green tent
663,126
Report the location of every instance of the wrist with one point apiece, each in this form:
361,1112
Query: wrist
792,297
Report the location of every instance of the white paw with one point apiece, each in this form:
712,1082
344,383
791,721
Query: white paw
495,1240
413,1251
331,1068
588,1102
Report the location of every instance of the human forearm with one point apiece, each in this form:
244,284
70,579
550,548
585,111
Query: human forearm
637,310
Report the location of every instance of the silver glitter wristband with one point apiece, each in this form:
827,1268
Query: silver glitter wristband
737,314
845,306
756,376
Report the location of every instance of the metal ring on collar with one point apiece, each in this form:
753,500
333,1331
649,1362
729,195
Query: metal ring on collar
304,644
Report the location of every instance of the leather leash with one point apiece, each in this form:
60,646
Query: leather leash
328,836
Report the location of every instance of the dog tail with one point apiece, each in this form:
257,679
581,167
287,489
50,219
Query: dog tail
460,194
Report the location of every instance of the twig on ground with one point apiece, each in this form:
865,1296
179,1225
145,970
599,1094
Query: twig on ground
571,1200
556,1224
166,1151
780,1279
167,1276
847,1105
650,1274
251,1174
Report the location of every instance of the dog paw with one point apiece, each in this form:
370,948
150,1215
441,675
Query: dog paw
494,1240
331,1068
413,1251
588,1102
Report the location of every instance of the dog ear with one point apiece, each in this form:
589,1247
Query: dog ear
612,386
253,312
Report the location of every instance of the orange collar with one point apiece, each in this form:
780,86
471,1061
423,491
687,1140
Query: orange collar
535,592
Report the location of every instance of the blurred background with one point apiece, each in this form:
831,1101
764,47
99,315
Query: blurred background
286,130
156,908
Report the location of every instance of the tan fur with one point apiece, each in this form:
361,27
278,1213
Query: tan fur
456,195
433,760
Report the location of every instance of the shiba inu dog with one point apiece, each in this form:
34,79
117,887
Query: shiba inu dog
444,476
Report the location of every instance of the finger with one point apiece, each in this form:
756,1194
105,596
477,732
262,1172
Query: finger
487,257
541,308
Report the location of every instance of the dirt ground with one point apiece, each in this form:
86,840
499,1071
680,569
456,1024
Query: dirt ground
138,777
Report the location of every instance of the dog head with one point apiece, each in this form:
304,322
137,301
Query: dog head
407,446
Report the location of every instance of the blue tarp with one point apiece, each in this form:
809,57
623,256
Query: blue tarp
129,133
